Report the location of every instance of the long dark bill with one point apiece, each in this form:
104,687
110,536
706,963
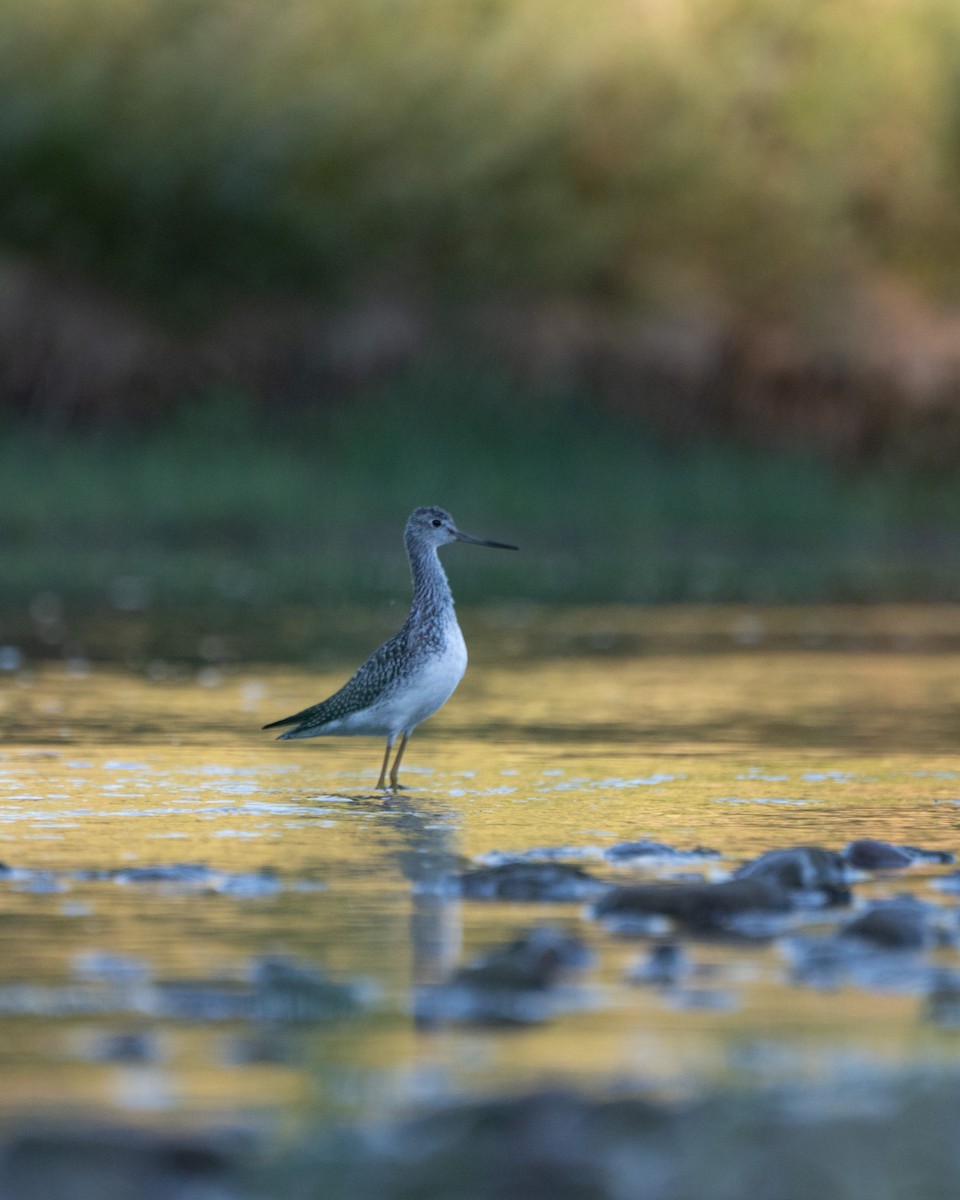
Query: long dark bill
475,541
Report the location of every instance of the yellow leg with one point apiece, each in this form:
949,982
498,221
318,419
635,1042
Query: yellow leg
382,781
396,762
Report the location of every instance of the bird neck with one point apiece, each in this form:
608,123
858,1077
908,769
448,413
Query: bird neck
431,592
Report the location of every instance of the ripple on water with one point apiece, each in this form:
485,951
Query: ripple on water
790,802
631,774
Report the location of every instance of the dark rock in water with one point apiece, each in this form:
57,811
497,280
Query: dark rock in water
883,1140
545,1146
31,879
532,961
820,962
276,991
664,966
41,881
898,924
839,961
879,1141
644,848
188,877
115,969
125,1048
809,873
869,854
557,882
699,907
445,1004
880,950
506,986
122,1164
284,989
196,877
291,999
263,1047
831,963
279,989
540,854
943,1000
702,999
187,874
199,1000
930,856
252,884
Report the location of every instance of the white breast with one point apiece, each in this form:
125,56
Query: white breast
431,686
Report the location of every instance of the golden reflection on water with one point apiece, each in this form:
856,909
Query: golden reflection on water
742,750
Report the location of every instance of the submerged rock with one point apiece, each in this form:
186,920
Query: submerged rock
664,966
556,882
85,1163
621,852
31,879
835,1141
644,848
541,854
809,874
849,1138
869,854
509,985
880,950
187,877
286,989
119,969
704,908
264,1046
183,874
140,1047
839,961
943,1000
901,923
534,960
278,990
197,877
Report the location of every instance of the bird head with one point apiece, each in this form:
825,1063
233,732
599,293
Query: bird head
435,527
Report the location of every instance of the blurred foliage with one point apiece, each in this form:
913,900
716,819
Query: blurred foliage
227,506
753,154
735,163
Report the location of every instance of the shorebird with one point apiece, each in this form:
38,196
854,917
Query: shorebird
413,673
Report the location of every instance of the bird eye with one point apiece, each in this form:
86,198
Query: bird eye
436,523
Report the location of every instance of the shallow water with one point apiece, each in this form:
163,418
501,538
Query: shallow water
740,749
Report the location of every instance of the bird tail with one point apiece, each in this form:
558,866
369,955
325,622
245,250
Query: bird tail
306,723
283,721
298,731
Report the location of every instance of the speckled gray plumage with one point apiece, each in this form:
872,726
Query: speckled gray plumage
423,636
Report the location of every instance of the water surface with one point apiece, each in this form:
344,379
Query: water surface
745,746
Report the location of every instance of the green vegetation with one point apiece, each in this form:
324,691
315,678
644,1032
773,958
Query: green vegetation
222,507
752,154
732,164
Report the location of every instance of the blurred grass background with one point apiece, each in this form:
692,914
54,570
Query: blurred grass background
666,290
746,153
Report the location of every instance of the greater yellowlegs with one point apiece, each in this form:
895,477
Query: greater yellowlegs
413,673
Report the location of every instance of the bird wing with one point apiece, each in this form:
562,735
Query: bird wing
371,679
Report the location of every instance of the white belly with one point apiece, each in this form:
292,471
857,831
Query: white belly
418,697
